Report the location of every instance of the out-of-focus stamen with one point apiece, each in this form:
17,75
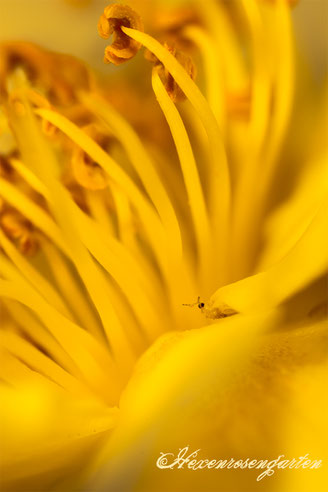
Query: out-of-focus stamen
19,230
86,171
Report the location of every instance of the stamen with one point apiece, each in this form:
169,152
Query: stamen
20,230
41,363
29,177
139,263
89,356
284,82
123,48
126,223
32,274
72,292
37,100
87,172
13,372
239,104
220,179
77,192
101,208
44,222
227,45
143,165
37,332
7,141
95,281
40,101
182,78
35,214
213,70
109,254
150,220
265,82
190,173
261,79
121,265
172,88
58,75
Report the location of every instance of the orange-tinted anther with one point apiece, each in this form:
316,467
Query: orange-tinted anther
122,48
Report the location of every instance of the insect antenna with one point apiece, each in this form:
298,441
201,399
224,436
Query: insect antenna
194,303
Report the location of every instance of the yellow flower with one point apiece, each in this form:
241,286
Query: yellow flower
163,255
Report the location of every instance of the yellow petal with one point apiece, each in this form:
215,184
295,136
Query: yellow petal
165,402
46,434
289,221
307,261
223,389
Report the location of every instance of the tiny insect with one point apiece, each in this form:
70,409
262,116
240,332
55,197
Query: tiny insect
212,312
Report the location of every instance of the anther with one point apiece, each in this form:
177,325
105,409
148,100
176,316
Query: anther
19,230
173,90
122,48
87,172
57,75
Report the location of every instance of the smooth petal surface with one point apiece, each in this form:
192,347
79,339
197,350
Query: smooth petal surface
284,279
47,434
227,389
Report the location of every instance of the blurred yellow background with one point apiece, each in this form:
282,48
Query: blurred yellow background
38,21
